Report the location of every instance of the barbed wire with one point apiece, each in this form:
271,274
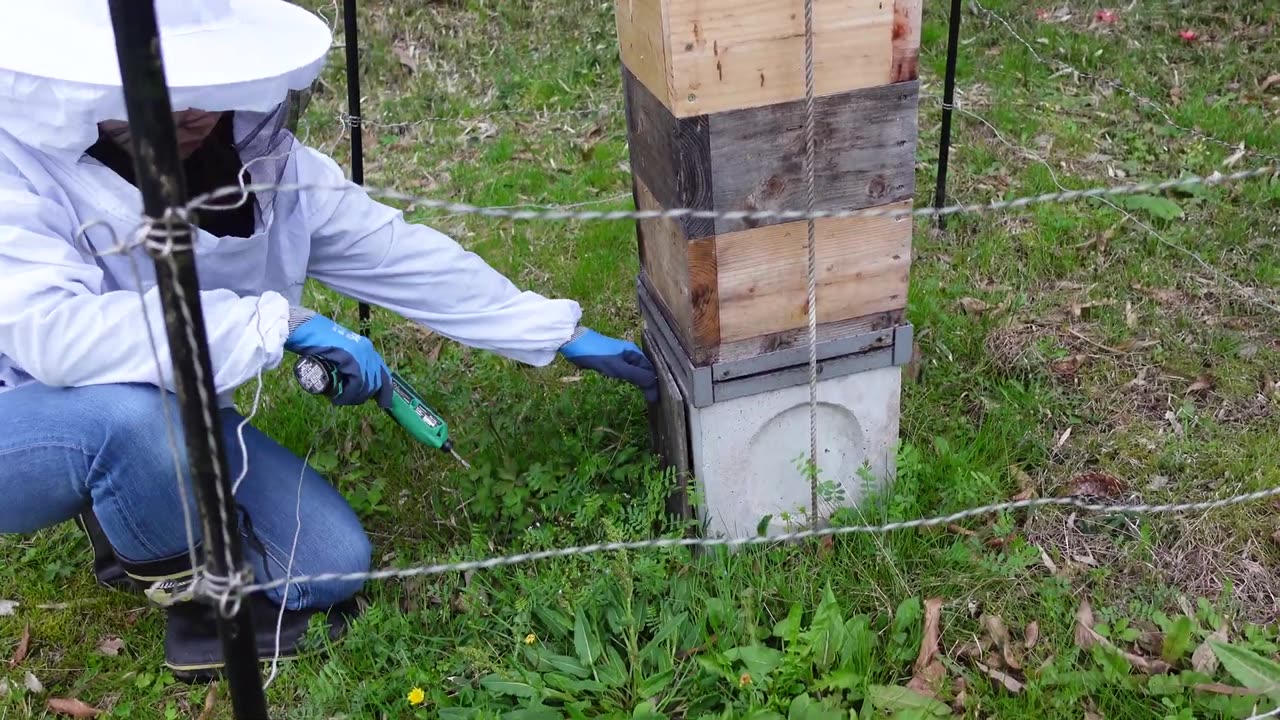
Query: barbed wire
206,201
1248,293
1077,503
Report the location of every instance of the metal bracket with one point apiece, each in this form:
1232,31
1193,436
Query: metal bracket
706,385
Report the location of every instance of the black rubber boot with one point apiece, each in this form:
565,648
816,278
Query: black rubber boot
193,650
106,566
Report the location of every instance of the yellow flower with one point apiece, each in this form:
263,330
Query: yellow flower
416,696
745,680
530,639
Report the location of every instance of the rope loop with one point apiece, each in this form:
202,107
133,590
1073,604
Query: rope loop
169,234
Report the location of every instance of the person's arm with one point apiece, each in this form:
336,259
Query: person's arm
59,326
366,250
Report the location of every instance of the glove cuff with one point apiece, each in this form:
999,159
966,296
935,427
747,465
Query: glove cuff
298,316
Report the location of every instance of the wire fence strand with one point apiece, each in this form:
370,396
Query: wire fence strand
1077,503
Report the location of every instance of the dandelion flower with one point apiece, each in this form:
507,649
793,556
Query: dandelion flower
416,696
530,639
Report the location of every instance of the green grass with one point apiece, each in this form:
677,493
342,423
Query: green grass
1096,325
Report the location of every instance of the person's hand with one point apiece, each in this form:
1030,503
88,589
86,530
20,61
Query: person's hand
364,372
614,358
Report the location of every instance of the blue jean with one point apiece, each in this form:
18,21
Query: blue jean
67,450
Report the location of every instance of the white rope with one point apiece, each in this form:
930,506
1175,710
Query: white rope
810,158
288,572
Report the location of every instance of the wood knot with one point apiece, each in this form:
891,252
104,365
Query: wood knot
877,188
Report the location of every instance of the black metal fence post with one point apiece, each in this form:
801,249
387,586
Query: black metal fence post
352,41
948,103
159,172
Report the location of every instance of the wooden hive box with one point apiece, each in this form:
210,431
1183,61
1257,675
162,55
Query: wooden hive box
715,111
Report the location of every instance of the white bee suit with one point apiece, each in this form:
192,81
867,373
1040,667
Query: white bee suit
70,315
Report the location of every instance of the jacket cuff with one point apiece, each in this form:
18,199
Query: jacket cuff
578,332
298,316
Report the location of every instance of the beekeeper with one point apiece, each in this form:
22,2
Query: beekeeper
81,394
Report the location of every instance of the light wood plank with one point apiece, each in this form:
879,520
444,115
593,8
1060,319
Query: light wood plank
733,54
863,268
704,297
642,43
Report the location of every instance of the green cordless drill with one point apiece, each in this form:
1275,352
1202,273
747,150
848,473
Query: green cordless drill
319,377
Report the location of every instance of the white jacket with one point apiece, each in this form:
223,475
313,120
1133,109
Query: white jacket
70,316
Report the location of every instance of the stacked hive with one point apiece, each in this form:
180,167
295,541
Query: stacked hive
716,121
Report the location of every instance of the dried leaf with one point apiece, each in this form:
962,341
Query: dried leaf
1079,310
1270,82
929,643
915,364
1130,315
1095,484
952,527
8,607
999,635
1047,561
32,683
1068,366
1091,715
1085,635
1063,439
406,57
970,650
928,670
1202,383
210,702
111,646
1026,486
24,645
973,306
1031,636
1011,684
1204,660
72,707
569,379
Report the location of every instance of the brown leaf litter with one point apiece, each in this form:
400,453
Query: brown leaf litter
72,708
1086,638
24,645
1095,484
929,671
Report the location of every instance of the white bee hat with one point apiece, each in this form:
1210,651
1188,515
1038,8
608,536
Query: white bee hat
60,76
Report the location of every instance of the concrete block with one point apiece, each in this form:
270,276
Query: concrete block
749,452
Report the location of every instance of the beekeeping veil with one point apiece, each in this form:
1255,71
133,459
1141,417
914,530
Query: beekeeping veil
60,77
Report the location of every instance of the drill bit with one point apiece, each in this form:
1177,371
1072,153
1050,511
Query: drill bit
458,457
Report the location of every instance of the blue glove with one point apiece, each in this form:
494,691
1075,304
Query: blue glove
364,373
617,359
